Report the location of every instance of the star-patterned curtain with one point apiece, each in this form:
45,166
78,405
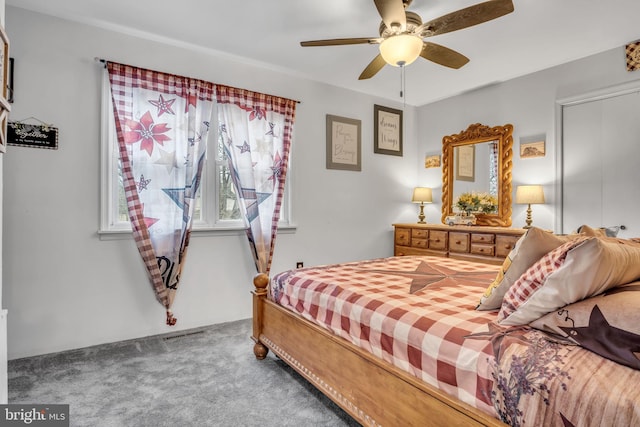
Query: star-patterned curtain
256,130
162,123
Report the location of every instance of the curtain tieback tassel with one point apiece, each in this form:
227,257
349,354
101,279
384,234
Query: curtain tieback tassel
170,319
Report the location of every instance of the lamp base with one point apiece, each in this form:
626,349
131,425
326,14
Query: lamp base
421,215
528,221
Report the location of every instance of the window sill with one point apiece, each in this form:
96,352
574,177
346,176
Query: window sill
195,232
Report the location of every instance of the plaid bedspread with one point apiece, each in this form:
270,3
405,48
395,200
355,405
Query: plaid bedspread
418,313
413,312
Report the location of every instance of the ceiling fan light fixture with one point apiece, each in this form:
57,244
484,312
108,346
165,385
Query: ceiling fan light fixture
401,50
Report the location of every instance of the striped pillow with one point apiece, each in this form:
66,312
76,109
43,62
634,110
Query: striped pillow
534,244
578,269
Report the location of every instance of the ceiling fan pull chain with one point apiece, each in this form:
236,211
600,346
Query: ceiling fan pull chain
403,84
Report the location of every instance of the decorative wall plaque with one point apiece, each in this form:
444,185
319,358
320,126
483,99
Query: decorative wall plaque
38,136
633,56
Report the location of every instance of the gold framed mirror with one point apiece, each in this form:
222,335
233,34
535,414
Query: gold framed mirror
479,160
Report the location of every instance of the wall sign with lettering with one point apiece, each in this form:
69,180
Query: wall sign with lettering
343,143
387,132
38,136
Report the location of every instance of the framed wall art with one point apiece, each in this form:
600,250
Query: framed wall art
432,161
4,104
4,61
529,150
343,143
632,53
10,82
387,130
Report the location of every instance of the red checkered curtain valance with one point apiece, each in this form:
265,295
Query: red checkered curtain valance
256,130
162,123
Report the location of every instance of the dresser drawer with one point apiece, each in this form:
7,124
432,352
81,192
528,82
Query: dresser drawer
459,242
482,238
504,244
418,233
438,240
403,236
419,243
419,238
482,249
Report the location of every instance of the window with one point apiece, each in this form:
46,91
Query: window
217,206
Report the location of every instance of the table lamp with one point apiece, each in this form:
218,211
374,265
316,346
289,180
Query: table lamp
529,195
422,195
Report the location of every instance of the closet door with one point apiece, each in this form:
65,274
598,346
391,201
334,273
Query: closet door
601,164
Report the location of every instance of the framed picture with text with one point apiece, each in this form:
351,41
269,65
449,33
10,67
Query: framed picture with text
387,130
343,143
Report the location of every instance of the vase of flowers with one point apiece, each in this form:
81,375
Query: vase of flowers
473,202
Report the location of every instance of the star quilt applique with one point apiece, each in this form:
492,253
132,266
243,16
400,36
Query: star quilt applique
426,275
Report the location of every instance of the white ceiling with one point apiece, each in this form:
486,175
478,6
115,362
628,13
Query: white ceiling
537,35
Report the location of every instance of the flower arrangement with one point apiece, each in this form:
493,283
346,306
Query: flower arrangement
476,202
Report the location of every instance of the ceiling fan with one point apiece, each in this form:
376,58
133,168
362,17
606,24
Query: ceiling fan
402,32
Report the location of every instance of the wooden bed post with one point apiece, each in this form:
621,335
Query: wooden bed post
260,281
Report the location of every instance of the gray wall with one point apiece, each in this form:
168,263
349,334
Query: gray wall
66,288
529,103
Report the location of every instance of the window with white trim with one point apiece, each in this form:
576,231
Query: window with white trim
217,206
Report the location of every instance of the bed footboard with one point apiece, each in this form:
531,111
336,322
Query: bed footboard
372,391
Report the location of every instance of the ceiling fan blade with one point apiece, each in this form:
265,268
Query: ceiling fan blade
467,17
338,42
373,67
392,13
443,55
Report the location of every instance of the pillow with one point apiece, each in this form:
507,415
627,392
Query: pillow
608,234
594,232
612,231
575,270
607,324
528,249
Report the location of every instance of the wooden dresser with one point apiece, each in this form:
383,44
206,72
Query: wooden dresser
474,243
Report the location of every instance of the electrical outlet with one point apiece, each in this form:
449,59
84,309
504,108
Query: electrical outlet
299,264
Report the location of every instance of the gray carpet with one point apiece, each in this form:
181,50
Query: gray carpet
208,377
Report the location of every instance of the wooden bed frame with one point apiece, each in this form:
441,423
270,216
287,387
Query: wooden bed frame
372,391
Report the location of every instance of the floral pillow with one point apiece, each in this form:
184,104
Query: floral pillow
576,270
530,248
607,324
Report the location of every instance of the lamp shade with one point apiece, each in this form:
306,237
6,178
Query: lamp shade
422,195
401,50
529,194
